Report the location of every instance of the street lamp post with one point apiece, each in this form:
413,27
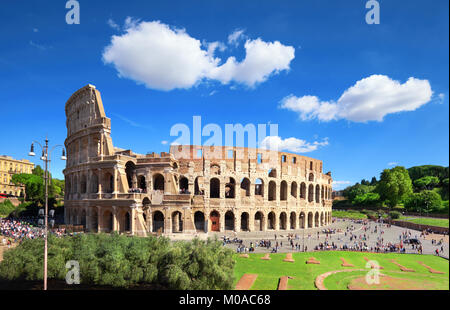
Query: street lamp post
303,223
46,158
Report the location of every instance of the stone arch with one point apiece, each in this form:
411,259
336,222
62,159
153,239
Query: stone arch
294,189
303,190
184,184
271,220
229,188
158,222
272,173
245,187
94,183
158,182
214,188
322,219
259,221
229,220
317,193
259,187
311,177
94,220
245,221
310,193
310,220
199,221
283,190
107,220
130,171
83,184
316,219
322,193
272,190
177,222
302,220
142,183
293,220
214,217
83,218
283,221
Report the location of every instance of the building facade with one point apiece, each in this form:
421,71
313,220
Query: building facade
9,167
190,189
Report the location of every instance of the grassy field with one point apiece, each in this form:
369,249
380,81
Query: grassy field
425,221
304,274
356,215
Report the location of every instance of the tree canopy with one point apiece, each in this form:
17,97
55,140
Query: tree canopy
394,186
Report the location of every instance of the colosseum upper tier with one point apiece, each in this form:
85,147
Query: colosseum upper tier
191,189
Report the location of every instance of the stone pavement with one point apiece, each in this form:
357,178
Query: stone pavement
310,237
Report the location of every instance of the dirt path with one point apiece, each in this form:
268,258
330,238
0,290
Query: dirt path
402,268
282,283
320,278
246,282
345,263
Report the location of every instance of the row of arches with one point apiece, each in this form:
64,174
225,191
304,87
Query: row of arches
311,193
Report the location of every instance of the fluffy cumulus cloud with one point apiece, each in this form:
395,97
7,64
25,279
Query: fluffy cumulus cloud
295,145
337,185
162,57
370,99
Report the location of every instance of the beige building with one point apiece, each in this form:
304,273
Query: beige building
189,189
9,167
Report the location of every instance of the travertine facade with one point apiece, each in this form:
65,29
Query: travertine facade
190,189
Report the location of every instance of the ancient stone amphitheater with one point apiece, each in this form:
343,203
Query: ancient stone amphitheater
191,189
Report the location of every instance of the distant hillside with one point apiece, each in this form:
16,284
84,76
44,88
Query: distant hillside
418,172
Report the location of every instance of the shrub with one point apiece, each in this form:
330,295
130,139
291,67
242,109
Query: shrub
121,261
394,215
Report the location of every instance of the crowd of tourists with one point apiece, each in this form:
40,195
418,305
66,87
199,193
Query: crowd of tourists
15,230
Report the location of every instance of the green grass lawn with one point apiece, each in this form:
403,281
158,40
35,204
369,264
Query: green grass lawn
356,215
304,274
425,221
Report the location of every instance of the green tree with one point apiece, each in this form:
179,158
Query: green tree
427,182
358,189
373,182
394,186
425,201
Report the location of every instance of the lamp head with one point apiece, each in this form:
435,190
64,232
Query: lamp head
31,153
63,156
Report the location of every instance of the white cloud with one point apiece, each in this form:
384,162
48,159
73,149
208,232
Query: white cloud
393,163
164,142
235,37
295,145
162,57
35,30
441,97
113,24
370,99
39,46
337,185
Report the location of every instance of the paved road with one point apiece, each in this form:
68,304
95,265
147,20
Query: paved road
389,235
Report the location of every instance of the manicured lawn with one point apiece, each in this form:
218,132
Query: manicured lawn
304,274
349,214
425,221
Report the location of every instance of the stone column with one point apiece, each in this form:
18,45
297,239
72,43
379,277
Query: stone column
115,182
115,221
133,216
222,221
100,183
237,222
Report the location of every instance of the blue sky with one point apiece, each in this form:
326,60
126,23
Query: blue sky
337,85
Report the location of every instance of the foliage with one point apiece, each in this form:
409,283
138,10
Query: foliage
6,207
394,186
351,214
394,215
425,201
418,172
427,182
121,261
367,199
352,192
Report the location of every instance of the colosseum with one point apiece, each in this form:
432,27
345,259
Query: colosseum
191,189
